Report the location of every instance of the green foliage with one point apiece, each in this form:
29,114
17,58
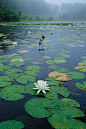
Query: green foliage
12,92
81,86
7,15
11,124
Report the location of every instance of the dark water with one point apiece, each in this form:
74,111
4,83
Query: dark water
63,37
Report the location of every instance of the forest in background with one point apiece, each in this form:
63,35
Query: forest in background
39,10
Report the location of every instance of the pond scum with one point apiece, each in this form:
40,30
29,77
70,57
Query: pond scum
61,113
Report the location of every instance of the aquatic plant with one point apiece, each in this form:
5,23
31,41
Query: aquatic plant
41,86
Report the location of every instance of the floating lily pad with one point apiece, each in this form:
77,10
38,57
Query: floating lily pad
62,70
16,63
13,73
60,58
62,76
64,55
36,107
82,68
58,120
33,67
83,57
12,92
17,60
2,61
66,51
24,78
50,62
11,124
27,59
23,51
4,67
32,73
76,75
81,86
53,67
46,57
52,50
18,57
4,81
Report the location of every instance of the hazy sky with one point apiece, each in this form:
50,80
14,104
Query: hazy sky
65,1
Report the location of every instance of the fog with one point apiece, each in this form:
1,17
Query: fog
59,2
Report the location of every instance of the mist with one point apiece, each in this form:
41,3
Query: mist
59,2
46,10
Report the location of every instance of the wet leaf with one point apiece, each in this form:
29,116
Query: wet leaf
81,86
37,107
11,124
12,92
4,67
33,67
17,60
23,79
23,51
76,75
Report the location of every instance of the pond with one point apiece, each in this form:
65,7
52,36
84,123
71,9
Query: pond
56,54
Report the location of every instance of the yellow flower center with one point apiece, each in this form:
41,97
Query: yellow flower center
42,83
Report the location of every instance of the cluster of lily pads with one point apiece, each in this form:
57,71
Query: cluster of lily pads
60,113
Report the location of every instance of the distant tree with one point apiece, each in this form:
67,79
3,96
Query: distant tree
50,19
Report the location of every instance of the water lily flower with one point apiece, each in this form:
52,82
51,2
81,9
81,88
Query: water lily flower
41,86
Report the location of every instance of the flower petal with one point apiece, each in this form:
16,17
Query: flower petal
44,91
38,91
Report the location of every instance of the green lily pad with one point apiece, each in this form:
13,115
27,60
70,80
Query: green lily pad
11,124
36,107
32,73
4,67
33,67
60,58
58,121
16,63
62,70
2,61
60,90
81,86
53,67
17,57
66,51
27,59
46,57
13,73
76,75
50,62
82,68
64,55
52,50
83,57
69,102
12,92
4,81
23,79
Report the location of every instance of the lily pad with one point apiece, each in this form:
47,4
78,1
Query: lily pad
17,60
12,92
66,51
83,57
23,51
33,67
62,70
23,79
11,124
4,81
37,107
81,86
32,73
60,58
27,59
46,57
13,73
53,67
76,75
2,61
4,67
16,63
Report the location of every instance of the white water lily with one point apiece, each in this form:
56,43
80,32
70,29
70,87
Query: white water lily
41,86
